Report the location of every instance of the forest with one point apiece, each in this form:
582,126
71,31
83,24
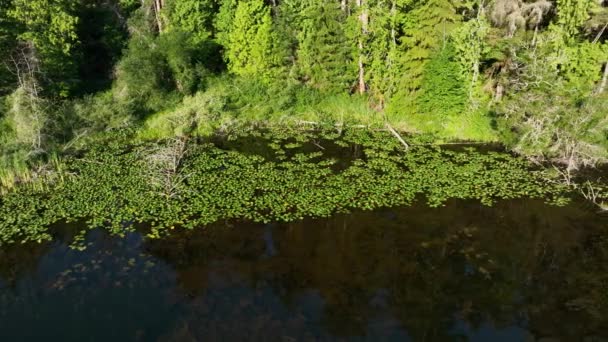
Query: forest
531,75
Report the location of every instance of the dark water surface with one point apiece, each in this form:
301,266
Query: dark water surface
519,271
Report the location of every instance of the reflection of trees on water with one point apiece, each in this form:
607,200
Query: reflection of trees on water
518,263
108,292
414,272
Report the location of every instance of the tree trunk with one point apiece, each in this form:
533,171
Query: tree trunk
604,80
158,6
363,17
343,5
393,22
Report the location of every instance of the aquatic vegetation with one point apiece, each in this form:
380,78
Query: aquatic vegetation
288,175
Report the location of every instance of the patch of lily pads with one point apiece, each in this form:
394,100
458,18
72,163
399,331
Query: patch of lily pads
261,176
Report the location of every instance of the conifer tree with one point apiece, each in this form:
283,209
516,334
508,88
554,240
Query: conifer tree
572,14
323,57
251,42
382,49
426,26
443,91
192,16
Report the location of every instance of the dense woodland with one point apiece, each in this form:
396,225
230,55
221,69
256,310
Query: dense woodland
530,74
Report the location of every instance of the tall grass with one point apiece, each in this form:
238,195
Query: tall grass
236,101
13,170
16,170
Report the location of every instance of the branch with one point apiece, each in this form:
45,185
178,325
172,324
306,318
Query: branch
392,130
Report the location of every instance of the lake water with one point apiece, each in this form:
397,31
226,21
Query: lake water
519,271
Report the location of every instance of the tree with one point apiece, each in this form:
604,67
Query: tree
426,27
545,116
322,54
364,23
572,14
517,14
250,46
7,44
470,47
192,16
382,50
443,89
50,26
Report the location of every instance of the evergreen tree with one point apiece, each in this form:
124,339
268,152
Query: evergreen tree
250,44
192,16
443,89
323,58
426,27
382,49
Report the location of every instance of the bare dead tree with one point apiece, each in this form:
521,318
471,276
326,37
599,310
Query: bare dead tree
25,65
158,6
604,81
164,166
515,14
28,107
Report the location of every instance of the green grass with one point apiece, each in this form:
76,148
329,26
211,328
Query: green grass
472,126
13,170
229,103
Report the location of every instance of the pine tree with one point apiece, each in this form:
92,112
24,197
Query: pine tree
426,26
443,89
323,57
192,16
250,41
571,15
382,49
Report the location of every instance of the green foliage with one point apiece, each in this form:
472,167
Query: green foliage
323,57
545,117
223,22
457,69
196,115
250,46
102,34
155,69
99,112
192,16
143,75
443,89
426,26
582,65
27,119
382,49
7,44
470,47
186,72
572,14
51,26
